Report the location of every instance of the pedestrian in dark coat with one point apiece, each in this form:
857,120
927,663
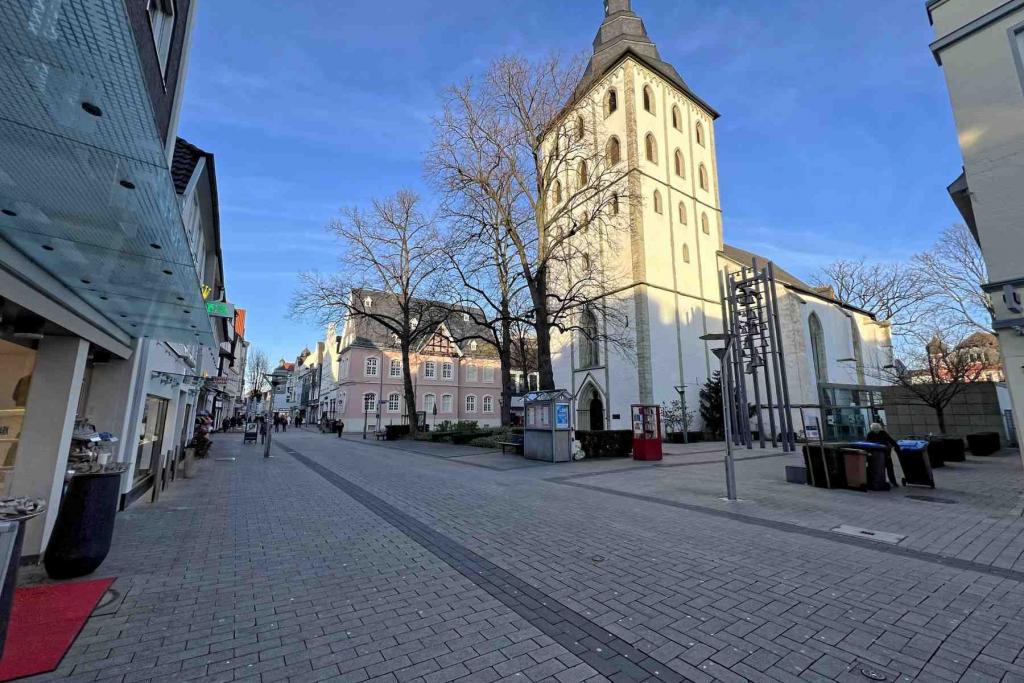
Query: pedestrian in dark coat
880,436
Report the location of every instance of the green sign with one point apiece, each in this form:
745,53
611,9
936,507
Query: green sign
220,309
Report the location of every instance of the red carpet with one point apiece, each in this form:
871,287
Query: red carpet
44,622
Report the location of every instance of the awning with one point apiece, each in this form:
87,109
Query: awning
85,190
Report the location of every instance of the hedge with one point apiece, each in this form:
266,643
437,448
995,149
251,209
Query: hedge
396,432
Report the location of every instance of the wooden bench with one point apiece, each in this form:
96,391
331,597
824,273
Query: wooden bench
515,442
381,435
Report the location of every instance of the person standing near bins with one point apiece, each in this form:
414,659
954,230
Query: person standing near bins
880,436
339,427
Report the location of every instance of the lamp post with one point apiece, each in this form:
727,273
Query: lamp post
730,464
681,390
274,383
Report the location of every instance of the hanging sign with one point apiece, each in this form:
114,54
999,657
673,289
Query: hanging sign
220,309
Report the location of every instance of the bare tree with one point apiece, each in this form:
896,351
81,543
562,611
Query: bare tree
390,249
511,152
937,374
891,291
256,369
954,270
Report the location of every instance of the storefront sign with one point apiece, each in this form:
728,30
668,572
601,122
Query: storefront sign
220,309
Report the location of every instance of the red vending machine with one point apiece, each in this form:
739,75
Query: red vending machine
646,432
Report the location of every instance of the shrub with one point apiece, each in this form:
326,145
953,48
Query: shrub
607,444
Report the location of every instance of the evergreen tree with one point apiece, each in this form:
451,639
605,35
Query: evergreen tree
711,406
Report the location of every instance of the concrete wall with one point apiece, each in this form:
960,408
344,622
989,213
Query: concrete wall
976,409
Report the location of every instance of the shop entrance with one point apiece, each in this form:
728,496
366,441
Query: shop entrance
151,441
16,365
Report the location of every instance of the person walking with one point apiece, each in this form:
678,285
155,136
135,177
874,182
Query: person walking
880,436
263,429
339,427
284,423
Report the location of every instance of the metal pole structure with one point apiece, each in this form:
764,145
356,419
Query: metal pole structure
266,424
730,463
723,289
764,352
776,359
742,409
753,329
784,381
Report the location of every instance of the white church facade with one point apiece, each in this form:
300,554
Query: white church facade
672,253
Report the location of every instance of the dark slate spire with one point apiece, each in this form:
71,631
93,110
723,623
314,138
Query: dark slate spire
624,32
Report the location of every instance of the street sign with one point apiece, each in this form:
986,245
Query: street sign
220,309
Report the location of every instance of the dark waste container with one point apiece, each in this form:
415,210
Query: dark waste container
826,467
84,527
983,443
943,449
877,453
916,463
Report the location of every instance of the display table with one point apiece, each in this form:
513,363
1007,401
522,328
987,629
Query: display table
13,515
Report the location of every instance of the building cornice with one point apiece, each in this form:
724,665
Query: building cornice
972,27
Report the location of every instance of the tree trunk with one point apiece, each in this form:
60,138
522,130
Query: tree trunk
505,356
542,325
941,415
410,392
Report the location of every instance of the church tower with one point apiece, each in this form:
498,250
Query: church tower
640,102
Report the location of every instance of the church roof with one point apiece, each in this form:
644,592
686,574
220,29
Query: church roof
623,34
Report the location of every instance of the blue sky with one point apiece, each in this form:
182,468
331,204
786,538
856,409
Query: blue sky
836,137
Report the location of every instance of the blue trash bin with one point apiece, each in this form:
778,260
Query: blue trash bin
916,465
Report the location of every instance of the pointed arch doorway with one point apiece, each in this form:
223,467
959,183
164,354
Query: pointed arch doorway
590,411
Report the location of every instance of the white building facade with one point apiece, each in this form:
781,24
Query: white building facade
980,47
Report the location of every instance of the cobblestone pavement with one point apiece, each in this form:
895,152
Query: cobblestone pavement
348,560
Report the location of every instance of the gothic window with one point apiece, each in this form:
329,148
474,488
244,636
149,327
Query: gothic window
818,353
584,175
394,402
396,368
682,213
614,151
704,183
369,402
680,165
700,134
558,192
858,353
611,103
677,118
589,346
686,253
651,148
615,204
657,202
649,99
371,367
580,128
471,404
488,404
705,227
585,263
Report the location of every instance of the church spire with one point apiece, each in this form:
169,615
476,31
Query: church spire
623,32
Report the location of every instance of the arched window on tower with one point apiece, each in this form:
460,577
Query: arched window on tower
680,164
649,99
583,174
615,204
580,128
682,214
557,192
686,253
705,226
657,202
611,102
818,354
590,349
677,118
704,182
700,134
651,148
614,151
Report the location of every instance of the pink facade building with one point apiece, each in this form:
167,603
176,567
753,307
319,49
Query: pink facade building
454,380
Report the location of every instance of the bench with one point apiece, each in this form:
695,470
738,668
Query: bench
514,442
381,435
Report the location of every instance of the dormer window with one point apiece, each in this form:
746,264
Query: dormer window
367,303
472,345
465,317
161,23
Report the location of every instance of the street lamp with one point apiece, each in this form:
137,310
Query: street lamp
681,390
730,465
275,381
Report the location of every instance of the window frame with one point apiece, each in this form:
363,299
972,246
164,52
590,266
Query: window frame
651,148
447,371
487,405
686,253
446,399
429,402
374,362
658,208
163,35
677,118
487,376
395,363
684,218
680,164
466,403
613,152
475,374
429,370
365,396
705,223
650,106
395,399
704,179
700,134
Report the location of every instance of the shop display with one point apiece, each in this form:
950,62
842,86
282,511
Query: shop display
91,451
11,508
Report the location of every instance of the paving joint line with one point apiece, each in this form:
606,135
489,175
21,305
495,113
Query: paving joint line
606,653
789,527
452,458
638,468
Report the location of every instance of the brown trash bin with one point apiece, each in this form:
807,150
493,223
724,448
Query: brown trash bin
856,465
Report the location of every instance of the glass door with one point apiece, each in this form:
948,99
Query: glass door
151,440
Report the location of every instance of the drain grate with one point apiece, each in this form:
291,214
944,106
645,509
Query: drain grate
934,499
869,534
